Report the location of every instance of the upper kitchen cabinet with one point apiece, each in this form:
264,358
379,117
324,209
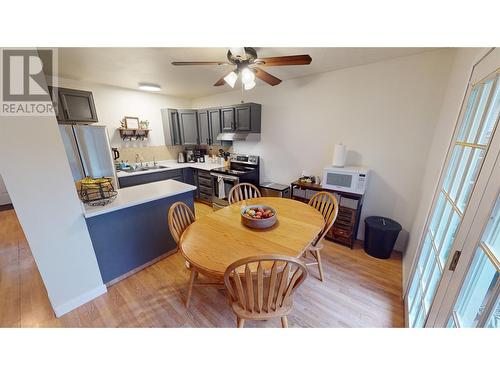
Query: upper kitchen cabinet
209,126
73,106
244,117
171,128
188,123
227,119
214,121
203,127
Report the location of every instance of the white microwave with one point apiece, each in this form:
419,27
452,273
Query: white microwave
347,179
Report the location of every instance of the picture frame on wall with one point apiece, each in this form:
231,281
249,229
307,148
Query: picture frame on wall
131,122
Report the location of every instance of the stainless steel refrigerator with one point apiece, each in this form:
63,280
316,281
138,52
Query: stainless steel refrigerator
89,151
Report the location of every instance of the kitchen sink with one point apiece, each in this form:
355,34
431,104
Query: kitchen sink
145,169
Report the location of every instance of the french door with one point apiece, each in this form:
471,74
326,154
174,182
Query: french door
478,301
443,259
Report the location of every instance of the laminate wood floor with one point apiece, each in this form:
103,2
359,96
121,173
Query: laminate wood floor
359,291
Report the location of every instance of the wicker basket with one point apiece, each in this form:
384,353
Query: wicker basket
97,192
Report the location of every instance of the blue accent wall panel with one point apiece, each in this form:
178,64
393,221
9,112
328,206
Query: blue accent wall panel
126,239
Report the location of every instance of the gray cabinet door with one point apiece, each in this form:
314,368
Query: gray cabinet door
77,106
215,125
188,121
171,128
243,118
227,116
204,127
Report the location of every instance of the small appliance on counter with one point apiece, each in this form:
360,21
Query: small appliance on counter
190,156
347,179
199,156
181,158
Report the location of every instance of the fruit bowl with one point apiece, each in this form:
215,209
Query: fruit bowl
258,216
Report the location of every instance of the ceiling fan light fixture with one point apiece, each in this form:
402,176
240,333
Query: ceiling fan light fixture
231,79
247,76
249,86
238,52
149,87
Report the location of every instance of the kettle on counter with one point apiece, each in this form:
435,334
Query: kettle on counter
181,158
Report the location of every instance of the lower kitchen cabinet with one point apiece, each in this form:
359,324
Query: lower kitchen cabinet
204,185
196,177
126,181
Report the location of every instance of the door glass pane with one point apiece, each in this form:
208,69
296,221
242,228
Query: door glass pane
463,165
438,213
431,288
481,285
494,320
470,178
455,157
476,291
460,175
449,238
480,112
491,117
443,224
492,233
471,106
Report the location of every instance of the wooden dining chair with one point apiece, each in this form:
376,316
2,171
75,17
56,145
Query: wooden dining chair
180,217
261,287
242,192
327,205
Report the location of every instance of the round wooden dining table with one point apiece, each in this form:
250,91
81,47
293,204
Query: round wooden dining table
216,240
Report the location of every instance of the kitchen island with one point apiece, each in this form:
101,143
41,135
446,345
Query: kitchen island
132,232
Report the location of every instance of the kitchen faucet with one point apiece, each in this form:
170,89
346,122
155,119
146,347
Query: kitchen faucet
154,161
138,158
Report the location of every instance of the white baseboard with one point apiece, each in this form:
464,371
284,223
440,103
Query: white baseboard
80,300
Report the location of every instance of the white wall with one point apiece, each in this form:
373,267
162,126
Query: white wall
436,155
384,112
114,103
43,193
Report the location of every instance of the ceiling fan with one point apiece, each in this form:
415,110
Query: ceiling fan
248,65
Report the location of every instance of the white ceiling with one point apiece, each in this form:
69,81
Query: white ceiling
126,67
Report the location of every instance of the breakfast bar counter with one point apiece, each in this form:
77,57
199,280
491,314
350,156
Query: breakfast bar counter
132,232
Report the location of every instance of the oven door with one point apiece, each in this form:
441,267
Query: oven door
222,184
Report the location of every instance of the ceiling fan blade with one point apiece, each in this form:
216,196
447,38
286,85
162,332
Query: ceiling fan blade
192,63
284,60
266,77
220,82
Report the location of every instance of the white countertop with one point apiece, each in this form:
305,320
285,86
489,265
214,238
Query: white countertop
135,195
171,165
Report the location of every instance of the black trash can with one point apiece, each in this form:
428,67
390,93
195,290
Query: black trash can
380,236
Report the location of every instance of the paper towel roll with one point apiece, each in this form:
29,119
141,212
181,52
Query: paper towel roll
339,155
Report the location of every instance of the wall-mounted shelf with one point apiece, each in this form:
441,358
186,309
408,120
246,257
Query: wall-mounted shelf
137,134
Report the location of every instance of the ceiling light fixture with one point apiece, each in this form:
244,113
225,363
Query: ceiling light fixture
149,87
249,86
247,76
231,79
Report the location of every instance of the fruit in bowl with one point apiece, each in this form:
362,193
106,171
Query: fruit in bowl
258,213
258,216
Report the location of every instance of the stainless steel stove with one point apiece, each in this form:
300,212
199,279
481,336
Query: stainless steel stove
242,168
